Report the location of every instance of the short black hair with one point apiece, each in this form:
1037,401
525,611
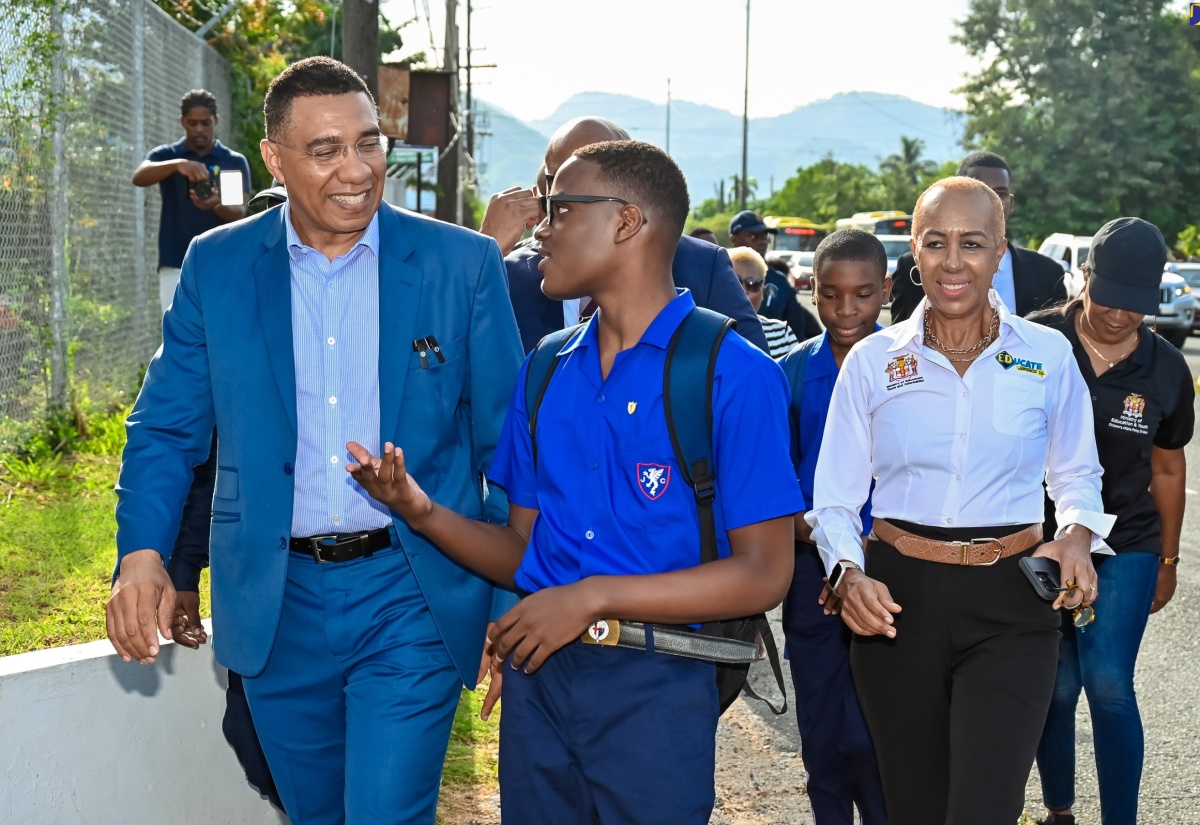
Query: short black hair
311,77
644,175
988,160
850,245
198,98
702,230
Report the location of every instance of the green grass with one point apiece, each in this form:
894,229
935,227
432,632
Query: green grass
471,757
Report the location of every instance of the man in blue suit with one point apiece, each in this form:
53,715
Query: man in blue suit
333,319
698,266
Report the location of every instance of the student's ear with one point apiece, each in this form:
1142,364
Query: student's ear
631,223
887,288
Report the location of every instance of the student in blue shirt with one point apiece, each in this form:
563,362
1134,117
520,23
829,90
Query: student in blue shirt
850,285
594,733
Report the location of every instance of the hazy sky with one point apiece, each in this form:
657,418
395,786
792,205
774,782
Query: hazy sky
801,50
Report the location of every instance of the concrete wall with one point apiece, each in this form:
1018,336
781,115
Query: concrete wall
86,738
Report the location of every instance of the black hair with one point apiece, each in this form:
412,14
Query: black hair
702,230
312,77
644,175
198,98
851,245
988,160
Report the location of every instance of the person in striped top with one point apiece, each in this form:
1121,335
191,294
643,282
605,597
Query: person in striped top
751,270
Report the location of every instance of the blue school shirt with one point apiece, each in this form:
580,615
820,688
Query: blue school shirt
819,377
609,492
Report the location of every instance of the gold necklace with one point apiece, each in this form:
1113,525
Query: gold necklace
1101,355
971,352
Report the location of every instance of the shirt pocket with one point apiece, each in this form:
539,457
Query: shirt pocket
652,493
1019,407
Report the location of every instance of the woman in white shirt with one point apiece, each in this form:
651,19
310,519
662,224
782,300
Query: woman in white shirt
958,415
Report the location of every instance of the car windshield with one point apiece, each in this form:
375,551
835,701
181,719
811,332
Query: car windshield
805,258
1191,273
895,249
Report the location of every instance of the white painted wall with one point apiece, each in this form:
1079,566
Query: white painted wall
87,738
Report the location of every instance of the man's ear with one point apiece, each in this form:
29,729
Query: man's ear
270,156
631,223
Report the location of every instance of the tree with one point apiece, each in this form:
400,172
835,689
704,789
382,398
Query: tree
828,190
903,176
1094,103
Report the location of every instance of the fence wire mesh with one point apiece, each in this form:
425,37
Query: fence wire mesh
87,87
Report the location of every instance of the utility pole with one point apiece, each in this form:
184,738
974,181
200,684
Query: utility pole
469,114
360,40
449,205
668,148
745,109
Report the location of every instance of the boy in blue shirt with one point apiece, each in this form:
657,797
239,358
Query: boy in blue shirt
602,525
850,285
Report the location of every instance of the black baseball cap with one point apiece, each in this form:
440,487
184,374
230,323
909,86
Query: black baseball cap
747,221
1126,264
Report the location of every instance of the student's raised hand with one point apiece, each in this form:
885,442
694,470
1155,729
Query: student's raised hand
386,480
540,624
490,663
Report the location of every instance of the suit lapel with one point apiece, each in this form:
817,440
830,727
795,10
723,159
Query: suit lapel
273,281
399,298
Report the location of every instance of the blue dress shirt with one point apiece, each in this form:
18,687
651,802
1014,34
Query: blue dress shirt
610,496
335,341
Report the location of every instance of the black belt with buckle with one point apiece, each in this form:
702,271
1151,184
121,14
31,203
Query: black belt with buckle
342,546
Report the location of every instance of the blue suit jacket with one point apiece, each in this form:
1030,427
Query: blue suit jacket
227,360
699,266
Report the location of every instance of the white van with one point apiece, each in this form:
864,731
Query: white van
1071,251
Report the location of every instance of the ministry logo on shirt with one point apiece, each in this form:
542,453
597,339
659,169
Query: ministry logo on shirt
902,371
1135,405
653,480
1130,419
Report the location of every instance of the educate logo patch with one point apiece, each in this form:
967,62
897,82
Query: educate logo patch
1009,362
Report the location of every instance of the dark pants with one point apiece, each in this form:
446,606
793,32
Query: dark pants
956,702
834,740
609,736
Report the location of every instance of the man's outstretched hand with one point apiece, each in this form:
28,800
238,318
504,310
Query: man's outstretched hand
141,606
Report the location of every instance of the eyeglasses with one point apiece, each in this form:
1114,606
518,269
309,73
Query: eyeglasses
331,154
550,201
754,284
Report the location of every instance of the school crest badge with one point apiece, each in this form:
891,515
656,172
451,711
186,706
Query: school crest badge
1135,405
653,480
902,368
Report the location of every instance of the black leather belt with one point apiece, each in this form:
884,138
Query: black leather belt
334,547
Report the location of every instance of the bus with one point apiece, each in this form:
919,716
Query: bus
889,222
793,234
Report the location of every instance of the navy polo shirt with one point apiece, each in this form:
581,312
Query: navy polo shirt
610,496
181,219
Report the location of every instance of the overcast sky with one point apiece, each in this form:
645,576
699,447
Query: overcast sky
801,50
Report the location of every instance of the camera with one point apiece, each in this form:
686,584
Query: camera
203,189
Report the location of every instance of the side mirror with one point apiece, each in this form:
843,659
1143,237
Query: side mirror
1066,265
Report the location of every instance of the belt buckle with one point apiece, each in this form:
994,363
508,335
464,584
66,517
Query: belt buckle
317,542
965,549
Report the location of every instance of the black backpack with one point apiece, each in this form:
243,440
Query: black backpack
687,388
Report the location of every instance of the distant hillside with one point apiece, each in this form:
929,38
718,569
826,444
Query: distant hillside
856,127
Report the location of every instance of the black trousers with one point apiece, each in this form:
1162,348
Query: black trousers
956,702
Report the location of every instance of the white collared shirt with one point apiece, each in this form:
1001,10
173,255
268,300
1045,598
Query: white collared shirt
950,451
1003,282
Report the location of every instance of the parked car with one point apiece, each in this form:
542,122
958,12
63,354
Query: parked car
802,270
1190,272
1071,251
895,246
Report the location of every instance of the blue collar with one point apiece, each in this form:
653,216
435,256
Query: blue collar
369,239
822,362
658,334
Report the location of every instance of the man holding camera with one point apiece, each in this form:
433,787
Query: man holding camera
188,176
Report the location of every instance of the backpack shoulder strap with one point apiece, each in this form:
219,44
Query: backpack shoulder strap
542,364
688,376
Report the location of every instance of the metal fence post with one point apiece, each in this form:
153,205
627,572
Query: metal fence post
59,380
141,277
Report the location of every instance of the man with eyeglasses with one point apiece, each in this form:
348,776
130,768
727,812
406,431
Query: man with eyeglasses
332,319
700,267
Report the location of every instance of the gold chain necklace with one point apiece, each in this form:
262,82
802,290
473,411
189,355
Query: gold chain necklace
971,352
1101,355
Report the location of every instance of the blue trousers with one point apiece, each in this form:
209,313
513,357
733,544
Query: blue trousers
834,739
1100,661
355,706
609,736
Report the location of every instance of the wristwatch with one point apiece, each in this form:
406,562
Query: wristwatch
1170,561
839,573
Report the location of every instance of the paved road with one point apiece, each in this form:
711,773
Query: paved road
1167,682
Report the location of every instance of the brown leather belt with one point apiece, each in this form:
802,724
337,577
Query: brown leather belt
976,552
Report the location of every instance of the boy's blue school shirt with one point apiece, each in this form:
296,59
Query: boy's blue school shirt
819,377
610,496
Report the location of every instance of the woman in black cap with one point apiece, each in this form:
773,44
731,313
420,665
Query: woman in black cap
1142,396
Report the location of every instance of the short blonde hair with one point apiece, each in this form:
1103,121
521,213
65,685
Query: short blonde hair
959,184
744,254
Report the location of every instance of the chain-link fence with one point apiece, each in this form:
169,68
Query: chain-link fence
87,87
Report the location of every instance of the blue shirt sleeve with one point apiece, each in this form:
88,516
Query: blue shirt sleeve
512,465
755,478
160,153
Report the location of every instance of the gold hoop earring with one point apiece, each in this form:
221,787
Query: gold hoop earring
915,281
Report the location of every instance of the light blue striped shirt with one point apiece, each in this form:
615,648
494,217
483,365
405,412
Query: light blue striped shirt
335,341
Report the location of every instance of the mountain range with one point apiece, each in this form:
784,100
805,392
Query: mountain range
854,127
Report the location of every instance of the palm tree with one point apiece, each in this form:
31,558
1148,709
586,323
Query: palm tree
908,166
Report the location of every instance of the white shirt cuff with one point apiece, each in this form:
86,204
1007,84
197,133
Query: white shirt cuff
1099,523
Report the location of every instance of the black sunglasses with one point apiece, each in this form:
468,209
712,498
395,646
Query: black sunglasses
754,284
548,202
